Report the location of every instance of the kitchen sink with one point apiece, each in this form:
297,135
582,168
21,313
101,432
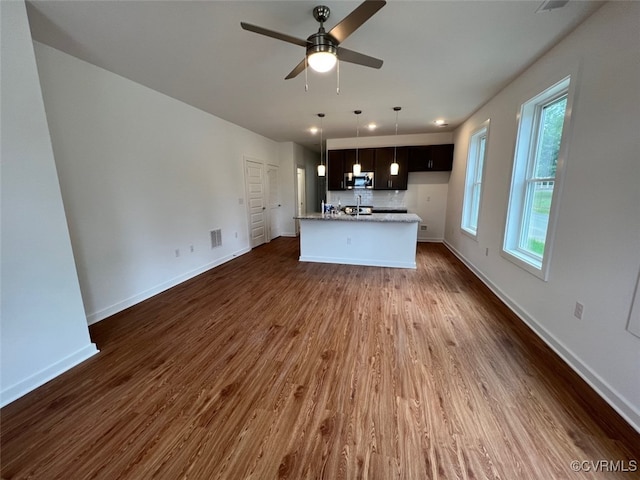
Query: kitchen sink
349,210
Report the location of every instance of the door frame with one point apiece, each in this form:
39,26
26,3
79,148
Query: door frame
273,209
247,161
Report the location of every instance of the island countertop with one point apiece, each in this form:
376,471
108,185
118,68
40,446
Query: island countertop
374,217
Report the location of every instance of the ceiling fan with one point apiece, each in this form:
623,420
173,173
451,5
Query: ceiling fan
323,48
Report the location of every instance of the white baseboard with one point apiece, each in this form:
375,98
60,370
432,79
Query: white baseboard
118,307
25,386
430,239
358,261
617,401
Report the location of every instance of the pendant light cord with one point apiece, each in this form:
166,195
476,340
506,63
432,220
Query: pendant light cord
357,112
396,146
321,136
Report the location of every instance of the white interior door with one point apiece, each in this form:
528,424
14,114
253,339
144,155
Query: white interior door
254,178
273,203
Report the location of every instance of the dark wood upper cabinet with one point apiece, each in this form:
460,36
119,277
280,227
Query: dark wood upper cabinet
431,158
366,158
379,160
335,169
383,180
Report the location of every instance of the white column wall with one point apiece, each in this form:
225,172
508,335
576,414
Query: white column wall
43,329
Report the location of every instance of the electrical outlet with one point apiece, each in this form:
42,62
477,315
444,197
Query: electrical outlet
191,248
236,234
577,312
423,227
348,240
486,252
177,252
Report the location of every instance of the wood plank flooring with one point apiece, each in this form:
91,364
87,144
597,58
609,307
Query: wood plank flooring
268,368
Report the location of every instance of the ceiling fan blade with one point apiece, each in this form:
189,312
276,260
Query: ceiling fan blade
274,34
296,71
346,55
355,19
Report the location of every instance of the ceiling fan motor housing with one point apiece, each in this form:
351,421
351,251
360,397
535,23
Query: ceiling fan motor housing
321,42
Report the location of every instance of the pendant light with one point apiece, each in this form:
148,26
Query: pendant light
357,168
322,169
395,168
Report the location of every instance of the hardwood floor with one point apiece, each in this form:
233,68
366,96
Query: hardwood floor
268,368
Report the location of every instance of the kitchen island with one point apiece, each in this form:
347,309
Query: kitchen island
379,239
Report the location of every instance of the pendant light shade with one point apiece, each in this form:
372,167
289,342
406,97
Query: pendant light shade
395,168
322,169
357,168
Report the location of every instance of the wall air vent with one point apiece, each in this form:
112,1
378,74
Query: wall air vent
549,5
216,238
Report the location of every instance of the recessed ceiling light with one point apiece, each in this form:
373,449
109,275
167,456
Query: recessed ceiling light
439,122
372,126
313,130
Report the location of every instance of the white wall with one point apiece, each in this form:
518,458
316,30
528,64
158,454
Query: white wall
596,251
426,194
43,330
143,175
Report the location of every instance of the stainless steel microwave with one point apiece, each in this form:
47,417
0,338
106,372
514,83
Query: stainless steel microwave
363,180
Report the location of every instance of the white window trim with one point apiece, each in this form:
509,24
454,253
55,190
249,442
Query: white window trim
514,211
482,128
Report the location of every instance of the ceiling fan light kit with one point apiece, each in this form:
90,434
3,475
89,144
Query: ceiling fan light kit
322,49
322,62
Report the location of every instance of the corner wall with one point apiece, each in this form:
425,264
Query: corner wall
43,329
595,258
144,179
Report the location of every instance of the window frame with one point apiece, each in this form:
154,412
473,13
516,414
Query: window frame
524,162
474,179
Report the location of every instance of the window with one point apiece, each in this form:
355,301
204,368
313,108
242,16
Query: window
473,182
537,168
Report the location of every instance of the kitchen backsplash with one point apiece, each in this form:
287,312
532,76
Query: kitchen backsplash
391,198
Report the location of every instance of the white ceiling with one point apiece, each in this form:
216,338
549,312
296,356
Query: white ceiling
442,59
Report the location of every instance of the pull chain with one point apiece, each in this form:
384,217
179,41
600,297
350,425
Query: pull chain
338,74
306,82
